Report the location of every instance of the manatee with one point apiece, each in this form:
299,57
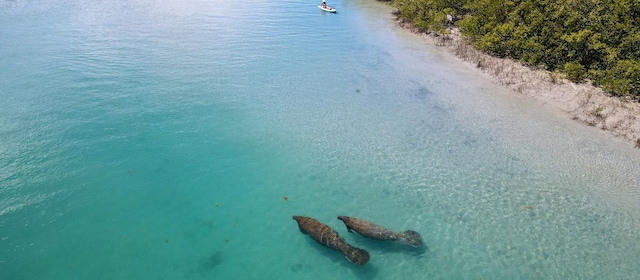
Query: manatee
373,231
326,236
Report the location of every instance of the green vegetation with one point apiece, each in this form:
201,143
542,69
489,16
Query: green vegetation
595,40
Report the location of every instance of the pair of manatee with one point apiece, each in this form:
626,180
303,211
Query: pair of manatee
326,236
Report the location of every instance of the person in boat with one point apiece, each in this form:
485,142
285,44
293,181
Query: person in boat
324,4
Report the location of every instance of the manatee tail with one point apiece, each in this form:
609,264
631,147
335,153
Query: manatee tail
356,255
410,237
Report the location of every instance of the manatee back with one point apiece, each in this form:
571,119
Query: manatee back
305,224
320,232
326,236
369,229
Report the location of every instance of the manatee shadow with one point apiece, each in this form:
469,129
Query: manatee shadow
296,267
206,266
366,271
212,261
423,93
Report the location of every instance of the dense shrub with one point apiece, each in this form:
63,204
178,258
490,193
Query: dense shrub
598,40
575,71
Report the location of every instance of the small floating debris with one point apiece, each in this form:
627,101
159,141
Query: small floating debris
286,198
217,205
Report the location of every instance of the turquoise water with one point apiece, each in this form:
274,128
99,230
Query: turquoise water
156,140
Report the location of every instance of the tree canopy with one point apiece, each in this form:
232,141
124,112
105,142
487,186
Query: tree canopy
595,40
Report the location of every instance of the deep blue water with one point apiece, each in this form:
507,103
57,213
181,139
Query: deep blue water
156,140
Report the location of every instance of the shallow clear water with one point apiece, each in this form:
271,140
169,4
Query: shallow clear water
157,140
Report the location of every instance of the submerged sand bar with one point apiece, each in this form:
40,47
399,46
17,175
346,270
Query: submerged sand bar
584,102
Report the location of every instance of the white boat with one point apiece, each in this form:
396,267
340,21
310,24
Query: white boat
327,9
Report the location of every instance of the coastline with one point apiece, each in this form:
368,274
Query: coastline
584,102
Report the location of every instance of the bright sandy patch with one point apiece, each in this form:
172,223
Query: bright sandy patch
586,103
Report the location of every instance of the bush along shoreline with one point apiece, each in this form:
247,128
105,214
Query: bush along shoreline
582,55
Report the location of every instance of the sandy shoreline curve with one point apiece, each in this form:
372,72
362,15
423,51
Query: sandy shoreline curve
584,102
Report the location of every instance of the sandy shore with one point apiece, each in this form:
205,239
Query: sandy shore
584,102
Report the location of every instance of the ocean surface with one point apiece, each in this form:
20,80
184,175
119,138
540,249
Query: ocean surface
150,139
